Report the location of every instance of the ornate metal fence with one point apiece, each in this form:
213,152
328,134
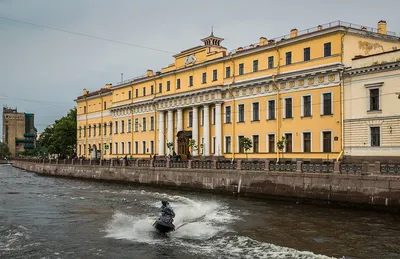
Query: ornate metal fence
255,165
178,164
317,168
202,164
350,168
143,162
160,163
227,164
283,167
390,169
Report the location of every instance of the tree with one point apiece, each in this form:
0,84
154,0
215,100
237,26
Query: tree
280,144
169,146
4,150
247,144
192,145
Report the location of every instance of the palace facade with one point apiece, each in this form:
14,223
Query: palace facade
288,88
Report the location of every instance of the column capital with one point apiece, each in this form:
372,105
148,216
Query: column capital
218,102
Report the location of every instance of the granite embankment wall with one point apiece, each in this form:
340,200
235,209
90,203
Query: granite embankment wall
380,191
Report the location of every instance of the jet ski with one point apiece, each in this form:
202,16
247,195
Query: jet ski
164,223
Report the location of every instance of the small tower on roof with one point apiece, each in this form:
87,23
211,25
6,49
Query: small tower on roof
212,40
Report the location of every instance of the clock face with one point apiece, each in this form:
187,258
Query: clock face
190,59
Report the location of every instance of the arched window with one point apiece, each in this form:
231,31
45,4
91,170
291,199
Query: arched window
90,130
94,130
111,128
105,129
84,131
80,131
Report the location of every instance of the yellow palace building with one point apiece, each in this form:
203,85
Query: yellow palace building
290,87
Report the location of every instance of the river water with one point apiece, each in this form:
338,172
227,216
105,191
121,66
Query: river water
44,217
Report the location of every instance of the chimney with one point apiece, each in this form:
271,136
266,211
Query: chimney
293,33
382,27
239,49
85,92
263,41
149,72
319,27
108,86
363,28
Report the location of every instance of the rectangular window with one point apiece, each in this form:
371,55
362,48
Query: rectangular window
160,88
374,99
168,86
215,75
152,89
375,136
270,62
129,148
136,147
122,126
241,144
144,124
256,111
255,65
202,117
190,80
190,119
256,144
178,83
228,143
327,49
204,78
143,147
105,106
144,91
327,101
307,106
116,147
241,112
137,93
136,125
228,114
84,109
122,147
288,58
130,95
116,127
129,125
271,110
213,116
94,131
105,129
307,55
306,142
80,149
111,128
271,143
288,108
289,143
213,145
152,123
241,69
228,72
327,141
151,146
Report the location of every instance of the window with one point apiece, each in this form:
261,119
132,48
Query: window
202,117
307,106
151,146
122,147
84,109
116,147
129,125
105,129
271,143
144,124
307,54
215,75
241,113
256,111
80,149
327,104
116,127
136,147
374,99
130,95
168,86
213,145
122,126
271,110
111,128
190,119
105,106
136,125
152,89
89,130
228,114
137,93
204,78
144,147
84,131
255,65
213,116
129,148
327,49
327,141
241,69
160,87
288,108
99,129
80,132
110,146
375,136
270,62
241,144
306,142
228,144
288,58
178,83
152,123
289,143
190,80
256,143
228,72
94,130
144,91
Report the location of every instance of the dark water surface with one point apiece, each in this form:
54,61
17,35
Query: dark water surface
44,217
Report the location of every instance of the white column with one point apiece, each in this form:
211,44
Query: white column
161,143
179,126
195,129
170,128
206,130
218,130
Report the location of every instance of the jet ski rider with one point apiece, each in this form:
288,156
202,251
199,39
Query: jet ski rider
167,212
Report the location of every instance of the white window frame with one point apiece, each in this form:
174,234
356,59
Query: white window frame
322,103
226,113
122,148
230,146
284,108
115,127
136,147
129,125
213,144
122,126
116,148
302,104
252,147
152,122
151,146
129,148
267,141
302,140
238,143
188,123
244,112
252,111
369,135
144,144
202,117
136,126
322,139
373,86
213,116
284,135
144,124
268,110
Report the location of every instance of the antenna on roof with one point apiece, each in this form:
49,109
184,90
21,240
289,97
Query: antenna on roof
212,31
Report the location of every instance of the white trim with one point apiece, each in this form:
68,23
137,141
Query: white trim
252,140
144,146
268,134
213,144
116,148
244,112
322,103
238,143
284,108
284,134
116,127
226,113
252,111
136,151
230,146
302,104
368,101
95,115
302,140
122,148
268,110
322,140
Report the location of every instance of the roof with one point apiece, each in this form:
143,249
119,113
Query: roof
101,91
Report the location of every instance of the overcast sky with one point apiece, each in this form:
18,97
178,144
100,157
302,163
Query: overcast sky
43,70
